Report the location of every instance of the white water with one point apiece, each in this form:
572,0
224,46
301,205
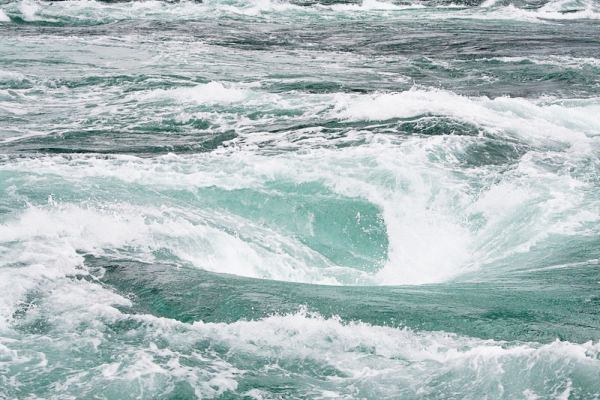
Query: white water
3,16
210,93
418,184
424,198
534,121
93,11
360,358
425,194
301,157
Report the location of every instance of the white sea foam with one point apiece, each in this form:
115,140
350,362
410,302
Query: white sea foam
304,334
538,121
401,355
489,3
156,353
424,197
556,60
570,9
392,362
10,75
3,16
29,10
413,222
50,240
209,93
372,5
253,7
524,211
100,12
552,11
423,203
530,120
77,312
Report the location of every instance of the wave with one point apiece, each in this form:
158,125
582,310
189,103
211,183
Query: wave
9,76
570,9
391,362
209,93
555,60
312,355
541,122
372,5
426,199
446,191
3,16
536,120
94,12
29,10
572,123
220,243
101,12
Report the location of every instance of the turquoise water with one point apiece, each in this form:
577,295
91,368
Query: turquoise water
261,199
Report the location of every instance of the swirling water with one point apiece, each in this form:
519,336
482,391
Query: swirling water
309,199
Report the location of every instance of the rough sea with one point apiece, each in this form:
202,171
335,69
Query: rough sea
270,199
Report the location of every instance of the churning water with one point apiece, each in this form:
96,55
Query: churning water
300,200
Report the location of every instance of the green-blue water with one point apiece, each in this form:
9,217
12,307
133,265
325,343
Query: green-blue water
263,199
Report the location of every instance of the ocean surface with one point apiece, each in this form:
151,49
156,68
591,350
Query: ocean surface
312,199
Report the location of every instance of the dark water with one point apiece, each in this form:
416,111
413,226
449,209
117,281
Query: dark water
300,200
